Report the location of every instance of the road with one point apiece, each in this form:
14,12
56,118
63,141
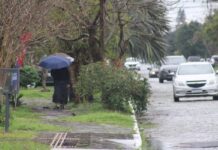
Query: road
191,124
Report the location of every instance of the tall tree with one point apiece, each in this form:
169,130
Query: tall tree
189,41
181,17
210,32
16,19
141,27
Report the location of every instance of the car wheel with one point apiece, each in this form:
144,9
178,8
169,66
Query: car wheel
215,97
176,99
161,80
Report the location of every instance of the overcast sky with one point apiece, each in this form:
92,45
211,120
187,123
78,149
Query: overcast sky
195,10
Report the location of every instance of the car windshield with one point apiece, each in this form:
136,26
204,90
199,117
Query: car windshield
195,69
194,58
131,59
174,60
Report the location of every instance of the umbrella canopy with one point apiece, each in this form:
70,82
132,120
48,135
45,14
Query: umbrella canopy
55,62
66,56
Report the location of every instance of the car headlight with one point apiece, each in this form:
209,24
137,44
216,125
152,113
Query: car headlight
179,83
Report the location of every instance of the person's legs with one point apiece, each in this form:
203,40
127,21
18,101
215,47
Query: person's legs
62,106
57,106
57,96
64,92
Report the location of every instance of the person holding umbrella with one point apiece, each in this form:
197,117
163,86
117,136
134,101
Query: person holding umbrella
61,79
58,64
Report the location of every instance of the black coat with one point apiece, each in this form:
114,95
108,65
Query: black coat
61,79
60,75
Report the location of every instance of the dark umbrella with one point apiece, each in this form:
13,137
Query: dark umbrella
55,62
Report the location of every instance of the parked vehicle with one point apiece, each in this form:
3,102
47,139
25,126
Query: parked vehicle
202,60
194,59
195,79
169,67
214,60
132,64
153,71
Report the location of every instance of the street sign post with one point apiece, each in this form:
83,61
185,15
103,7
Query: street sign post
9,86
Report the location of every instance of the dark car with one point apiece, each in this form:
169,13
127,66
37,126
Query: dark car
153,71
169,67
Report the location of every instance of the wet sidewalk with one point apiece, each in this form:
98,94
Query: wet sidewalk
88,136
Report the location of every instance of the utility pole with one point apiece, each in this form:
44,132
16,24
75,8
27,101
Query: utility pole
102,24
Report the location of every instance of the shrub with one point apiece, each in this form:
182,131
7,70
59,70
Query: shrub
117,87
29,76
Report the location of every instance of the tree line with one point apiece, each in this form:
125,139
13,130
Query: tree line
195,38
88,30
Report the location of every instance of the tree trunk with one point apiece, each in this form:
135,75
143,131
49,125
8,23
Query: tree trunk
44,77
102,24
118,62
97,54
7,55
74,73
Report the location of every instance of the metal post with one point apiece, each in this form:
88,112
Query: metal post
7,112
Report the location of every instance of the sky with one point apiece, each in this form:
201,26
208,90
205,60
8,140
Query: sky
195,10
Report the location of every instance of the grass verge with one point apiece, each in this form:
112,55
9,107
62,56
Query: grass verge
22,145
23,119
33,93
95,113
25,126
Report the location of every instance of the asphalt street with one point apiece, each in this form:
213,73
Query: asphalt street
191,124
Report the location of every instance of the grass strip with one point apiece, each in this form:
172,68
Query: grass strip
33,93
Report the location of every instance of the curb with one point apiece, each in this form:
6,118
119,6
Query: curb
137,135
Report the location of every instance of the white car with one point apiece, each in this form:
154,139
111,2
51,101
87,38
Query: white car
132,64
195,79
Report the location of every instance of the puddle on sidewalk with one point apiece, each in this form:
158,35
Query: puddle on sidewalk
86,140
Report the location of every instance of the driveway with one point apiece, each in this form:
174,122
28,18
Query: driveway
191,124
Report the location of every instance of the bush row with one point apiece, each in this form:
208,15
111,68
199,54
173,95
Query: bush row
29,76
117,87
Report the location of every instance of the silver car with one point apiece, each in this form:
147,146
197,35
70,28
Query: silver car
195,79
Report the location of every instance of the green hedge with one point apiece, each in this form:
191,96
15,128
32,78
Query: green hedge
29,76
116,86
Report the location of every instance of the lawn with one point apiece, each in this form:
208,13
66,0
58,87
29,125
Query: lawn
25,124
106,117
95,113
24,127
23,119
34,93
22,145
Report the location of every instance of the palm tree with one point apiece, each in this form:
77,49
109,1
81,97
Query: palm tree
142,26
